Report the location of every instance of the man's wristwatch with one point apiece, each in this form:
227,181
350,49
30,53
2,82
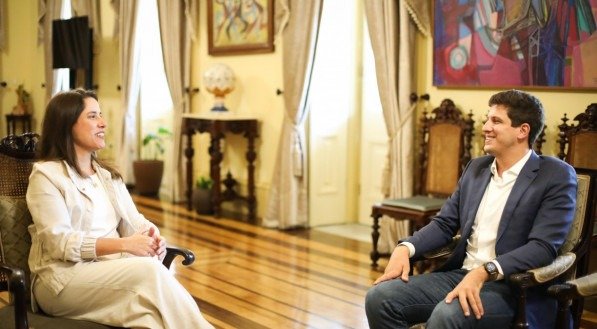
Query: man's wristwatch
492,270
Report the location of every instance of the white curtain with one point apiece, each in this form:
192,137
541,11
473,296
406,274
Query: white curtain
129,93
298,25
392,37
48,10
89,8
420,14
177,29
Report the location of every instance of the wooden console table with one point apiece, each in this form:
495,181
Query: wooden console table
217,126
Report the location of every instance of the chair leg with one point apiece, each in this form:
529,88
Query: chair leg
375,237
576,312
562,316
520,321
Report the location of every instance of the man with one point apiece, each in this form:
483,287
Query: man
513,209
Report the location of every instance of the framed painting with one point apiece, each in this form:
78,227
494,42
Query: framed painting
515,43
240,26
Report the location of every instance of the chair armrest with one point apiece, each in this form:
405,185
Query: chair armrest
16,287
582,287
172,252
563,291
543,274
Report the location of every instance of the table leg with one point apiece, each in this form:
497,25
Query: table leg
215,155
251,200
375,237
189,153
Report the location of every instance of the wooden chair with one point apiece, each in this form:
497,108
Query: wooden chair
443,153
573,257
582,287
17,154
577,146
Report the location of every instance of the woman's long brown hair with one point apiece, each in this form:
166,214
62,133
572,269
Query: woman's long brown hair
57,142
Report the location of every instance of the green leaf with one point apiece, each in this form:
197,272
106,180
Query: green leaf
164,131
155,142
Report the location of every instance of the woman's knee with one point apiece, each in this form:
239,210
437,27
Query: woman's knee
144,268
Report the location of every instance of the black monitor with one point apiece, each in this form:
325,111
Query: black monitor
72,47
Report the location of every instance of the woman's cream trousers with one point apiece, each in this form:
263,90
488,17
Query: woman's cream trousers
134,292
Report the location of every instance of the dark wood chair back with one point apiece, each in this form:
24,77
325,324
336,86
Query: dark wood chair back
538,144
17,154
445,149
579,142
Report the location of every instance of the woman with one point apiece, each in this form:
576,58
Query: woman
93,255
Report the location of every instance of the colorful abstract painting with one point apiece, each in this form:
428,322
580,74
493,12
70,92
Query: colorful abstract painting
531,43
240,26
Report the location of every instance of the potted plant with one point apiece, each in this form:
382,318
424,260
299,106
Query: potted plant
148,172
202,196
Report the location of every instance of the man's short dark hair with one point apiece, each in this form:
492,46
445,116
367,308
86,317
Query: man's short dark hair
522,108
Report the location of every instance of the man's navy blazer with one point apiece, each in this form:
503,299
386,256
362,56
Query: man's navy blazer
534,223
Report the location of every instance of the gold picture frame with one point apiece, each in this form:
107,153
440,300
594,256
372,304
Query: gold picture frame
240,26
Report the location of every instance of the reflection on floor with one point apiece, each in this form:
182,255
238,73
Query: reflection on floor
359,232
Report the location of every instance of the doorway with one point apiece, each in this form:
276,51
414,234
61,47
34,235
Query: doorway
345,127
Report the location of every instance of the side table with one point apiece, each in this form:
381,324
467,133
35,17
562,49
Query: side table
417,220
217,126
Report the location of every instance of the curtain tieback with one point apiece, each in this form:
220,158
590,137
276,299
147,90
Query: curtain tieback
403,121
297,152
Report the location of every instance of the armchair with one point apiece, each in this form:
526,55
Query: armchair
573,257
17,154
443,153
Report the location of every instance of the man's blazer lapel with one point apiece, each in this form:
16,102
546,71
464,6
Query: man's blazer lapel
525,178
475,199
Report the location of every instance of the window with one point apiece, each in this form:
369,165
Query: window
155,102
62,76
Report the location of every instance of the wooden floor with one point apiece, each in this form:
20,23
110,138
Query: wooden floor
247,276
252,277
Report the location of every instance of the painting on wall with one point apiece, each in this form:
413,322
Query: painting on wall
240,26
515,43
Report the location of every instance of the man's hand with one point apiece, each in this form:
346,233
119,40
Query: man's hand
398,266
468,292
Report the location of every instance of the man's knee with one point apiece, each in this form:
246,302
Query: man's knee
373,299
446,315
377,307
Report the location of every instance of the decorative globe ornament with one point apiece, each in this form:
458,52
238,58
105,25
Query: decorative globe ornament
219,80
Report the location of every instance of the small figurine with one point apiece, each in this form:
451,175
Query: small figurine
23,101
